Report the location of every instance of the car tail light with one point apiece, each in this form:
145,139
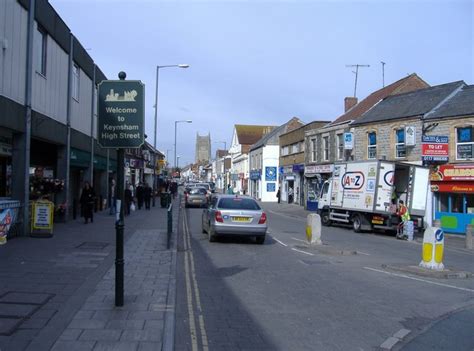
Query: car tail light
263,218
219,217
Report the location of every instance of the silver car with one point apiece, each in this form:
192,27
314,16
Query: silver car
234,215
196,197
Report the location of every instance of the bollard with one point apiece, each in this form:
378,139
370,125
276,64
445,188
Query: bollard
433,249
170,225
313,229
469,230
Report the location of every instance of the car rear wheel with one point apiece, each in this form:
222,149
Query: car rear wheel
203,230
260,239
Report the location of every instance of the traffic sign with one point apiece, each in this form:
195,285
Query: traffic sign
121,114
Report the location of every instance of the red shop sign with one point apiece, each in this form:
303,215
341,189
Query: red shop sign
453,187
434,150
453,172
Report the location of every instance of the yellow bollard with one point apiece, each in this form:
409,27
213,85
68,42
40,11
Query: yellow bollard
313,229
433,249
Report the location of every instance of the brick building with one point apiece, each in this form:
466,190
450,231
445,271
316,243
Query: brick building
325,145
292,157
443,117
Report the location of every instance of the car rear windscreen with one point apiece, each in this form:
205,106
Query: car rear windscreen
237,203
198,191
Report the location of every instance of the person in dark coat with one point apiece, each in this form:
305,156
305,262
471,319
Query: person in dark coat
128,199
87,202
147,195
279,195
140,195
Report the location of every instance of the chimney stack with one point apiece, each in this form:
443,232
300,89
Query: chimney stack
349,102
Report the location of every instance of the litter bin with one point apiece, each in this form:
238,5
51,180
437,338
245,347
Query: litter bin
312,205
165,199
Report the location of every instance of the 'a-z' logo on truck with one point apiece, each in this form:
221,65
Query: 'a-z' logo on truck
353,180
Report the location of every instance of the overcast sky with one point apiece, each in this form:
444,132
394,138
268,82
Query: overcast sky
263,62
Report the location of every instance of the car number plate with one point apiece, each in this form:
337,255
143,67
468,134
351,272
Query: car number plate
197,201
241,219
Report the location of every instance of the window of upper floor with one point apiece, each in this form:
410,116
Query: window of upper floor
371,145
340,146
326,148
313,146
39,46
285,151
464,143
400,148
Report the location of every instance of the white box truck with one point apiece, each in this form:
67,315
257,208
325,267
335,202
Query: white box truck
362,194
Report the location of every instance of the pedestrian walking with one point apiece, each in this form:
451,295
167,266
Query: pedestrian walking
279,194
290,195
128,198
87,202
140,195
147,195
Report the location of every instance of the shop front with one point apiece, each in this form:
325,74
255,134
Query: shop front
5,167
298,170
255,183
288,184
315,177
453,189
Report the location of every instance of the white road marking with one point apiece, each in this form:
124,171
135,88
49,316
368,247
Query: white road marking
189,294
307,253
298,239
362,253
278,241
420,280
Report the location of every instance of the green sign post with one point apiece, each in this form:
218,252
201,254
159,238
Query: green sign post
121,114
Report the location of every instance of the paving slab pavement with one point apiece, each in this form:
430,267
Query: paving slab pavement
58,293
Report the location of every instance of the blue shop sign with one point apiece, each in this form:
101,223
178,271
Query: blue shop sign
255,174
298,168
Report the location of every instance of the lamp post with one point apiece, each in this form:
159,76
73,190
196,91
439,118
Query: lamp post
175,135
182,65
177,162
222,142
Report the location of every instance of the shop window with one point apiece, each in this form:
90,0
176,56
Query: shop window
470,203
313,150
340,146
400,149
464,143
371,145
457,203
39,46
443,204
326,148
75,82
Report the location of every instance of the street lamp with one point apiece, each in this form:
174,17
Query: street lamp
222,142
175,134
182,65
177,162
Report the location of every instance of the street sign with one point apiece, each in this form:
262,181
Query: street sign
348,141
121,114
410,136
435,148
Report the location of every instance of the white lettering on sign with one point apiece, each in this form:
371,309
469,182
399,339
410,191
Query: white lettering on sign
114,128
120,110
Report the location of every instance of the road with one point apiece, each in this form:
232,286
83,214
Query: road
237,295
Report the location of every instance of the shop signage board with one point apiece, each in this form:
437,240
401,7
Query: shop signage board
319,169
255,174
121,113
270,174
42,217
461,172
410,136
298,168
453,187
435,148
348,141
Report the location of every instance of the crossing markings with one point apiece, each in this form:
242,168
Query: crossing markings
419,279
191,282
278,241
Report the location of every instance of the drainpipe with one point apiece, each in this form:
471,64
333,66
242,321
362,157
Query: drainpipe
28,94
68,125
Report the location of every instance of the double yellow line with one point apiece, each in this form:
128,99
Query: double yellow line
191,284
